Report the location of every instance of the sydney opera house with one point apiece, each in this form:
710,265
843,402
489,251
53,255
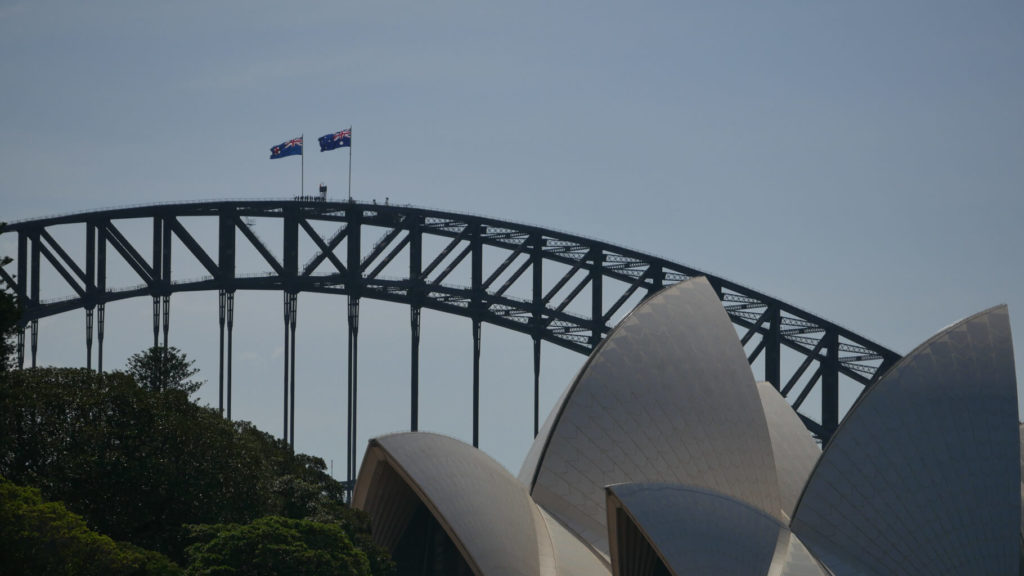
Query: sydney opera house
664,456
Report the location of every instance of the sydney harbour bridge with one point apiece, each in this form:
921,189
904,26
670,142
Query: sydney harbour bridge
551,286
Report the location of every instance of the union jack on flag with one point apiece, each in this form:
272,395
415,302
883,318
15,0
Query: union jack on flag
292,147
334,140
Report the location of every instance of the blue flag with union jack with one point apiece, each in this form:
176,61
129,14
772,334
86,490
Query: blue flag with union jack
292,147
336,140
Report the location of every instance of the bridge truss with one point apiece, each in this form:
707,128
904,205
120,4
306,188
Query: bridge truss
553,286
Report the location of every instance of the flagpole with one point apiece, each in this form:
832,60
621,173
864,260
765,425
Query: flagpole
350,163
302,166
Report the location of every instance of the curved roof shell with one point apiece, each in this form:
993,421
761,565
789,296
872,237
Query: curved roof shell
482,508
923,475
572,556
694,531
1022,489
793,448
667,397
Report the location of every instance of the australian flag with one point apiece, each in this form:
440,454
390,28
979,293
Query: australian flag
336,140
292,147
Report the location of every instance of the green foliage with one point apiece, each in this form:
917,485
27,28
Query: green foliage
138,464
356,525
139,461
38,537
163,368
275,546
9,314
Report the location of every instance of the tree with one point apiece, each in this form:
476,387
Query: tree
136,464
163,368
139,464
9,314
274,546
40,537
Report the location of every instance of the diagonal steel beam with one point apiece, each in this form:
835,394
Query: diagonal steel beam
512,279
575,292
816,429
64,256
807,389
853,374
258,245
451,266
640,280
757,351
504,265
326,249
391,256
756,326
128,252
558,286
442,255
808,358
193,247
379,247
71,280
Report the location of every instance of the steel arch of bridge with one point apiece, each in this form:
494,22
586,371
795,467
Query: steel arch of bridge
344,263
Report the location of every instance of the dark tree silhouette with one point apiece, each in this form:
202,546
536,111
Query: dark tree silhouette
138,464
274,546
159,369
9,314
41,537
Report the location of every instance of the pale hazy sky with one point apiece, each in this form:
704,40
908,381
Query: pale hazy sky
861,160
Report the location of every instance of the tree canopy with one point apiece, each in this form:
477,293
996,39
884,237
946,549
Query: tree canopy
9,314
139,464
163,368
274,546
40,537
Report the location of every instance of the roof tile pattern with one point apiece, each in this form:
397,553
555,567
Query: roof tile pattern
923,475
664,454
572,556
792,558
668,397
482,507
793,447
